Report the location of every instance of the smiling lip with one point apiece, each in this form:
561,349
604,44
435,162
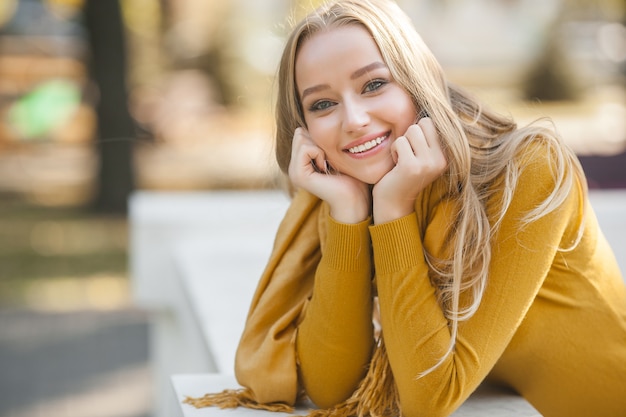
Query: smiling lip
364,146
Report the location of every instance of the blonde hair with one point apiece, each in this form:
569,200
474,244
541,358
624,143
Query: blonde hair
485,152
481,146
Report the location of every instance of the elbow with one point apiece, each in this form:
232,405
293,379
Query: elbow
328,384
330,375
325,399
428,397
326,391
433,405
433,408
424,411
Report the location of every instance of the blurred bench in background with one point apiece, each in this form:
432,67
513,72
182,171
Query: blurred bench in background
195,262
181,241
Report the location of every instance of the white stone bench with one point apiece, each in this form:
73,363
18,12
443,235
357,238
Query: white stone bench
172,234
195,262
486,401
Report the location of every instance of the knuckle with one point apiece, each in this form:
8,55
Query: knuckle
415,127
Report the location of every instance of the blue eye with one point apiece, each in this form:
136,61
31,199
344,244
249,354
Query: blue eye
373,85
320,105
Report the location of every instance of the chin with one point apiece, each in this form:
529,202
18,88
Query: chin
374,175
372,178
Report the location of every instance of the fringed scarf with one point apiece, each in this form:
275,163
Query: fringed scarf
266,357
376,395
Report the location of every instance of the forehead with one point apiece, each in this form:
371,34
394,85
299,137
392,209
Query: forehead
336,49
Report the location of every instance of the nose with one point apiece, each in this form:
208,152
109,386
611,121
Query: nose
356,115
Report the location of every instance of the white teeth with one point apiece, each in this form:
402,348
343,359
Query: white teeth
367,145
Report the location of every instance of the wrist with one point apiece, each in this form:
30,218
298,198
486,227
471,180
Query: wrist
385,211
350,210
345,213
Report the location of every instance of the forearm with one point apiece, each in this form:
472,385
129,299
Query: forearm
416,332
335,338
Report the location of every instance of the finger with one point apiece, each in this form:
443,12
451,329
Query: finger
318,167
430,132
296,142
316,157
401,148
300,137
434,140
330,169
313,157
417,140
302,154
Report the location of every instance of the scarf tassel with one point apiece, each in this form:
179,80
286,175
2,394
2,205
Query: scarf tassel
236,398
376,395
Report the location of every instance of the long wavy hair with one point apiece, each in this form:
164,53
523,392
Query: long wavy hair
482,147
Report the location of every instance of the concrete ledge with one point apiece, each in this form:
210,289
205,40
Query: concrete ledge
486,401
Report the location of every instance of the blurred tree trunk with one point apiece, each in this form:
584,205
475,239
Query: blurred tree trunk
116,129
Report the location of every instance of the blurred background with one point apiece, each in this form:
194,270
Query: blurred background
101,98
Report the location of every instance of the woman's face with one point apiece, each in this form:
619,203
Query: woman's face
352,106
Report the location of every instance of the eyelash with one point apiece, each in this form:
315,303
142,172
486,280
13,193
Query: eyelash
317,105
376,84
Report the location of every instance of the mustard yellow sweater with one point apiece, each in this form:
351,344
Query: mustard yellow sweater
551,325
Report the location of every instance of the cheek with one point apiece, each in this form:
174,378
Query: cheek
400,106
321,134
409,115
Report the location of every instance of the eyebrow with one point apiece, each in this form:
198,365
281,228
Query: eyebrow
356,74
374,65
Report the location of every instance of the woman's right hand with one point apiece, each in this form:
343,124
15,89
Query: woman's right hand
349,198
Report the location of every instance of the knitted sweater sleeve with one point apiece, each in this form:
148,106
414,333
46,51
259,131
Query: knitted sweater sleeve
415,330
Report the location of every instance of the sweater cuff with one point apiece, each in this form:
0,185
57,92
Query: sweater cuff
397,245
347,245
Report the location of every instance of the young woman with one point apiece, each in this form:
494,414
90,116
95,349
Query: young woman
430,245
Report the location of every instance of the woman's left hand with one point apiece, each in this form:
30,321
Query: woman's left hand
419,161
